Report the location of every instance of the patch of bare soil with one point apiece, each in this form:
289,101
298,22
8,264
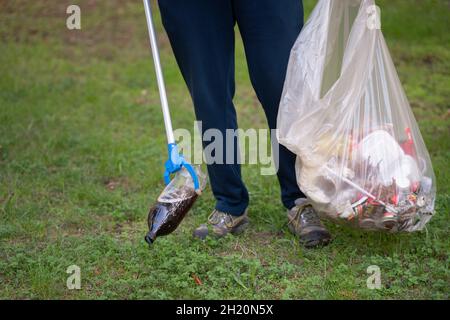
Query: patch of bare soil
114,183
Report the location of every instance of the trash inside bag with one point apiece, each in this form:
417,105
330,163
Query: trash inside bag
173,204
360,156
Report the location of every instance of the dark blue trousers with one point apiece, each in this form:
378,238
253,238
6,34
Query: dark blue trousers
201,33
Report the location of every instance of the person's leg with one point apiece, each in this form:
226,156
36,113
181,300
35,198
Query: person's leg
201,33
269,29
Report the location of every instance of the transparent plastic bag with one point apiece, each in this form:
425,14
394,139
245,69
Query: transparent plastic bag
173,204
360,155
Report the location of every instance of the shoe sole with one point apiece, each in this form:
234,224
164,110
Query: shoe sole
240,227
315,239
318,238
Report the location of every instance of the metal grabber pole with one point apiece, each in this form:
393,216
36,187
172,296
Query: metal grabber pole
175,161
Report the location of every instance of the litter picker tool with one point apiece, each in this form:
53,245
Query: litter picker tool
175,161
182,191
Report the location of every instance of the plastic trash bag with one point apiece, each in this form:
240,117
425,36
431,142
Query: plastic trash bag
173,204
360,155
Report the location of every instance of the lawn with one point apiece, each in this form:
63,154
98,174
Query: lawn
81,151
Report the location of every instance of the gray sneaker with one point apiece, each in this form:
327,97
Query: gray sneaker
221,223
305,223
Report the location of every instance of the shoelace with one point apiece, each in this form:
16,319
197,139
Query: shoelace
306,214
217,217
310,216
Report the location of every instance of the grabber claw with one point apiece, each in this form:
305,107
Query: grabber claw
175,162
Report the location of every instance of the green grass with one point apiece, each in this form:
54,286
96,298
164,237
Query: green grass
81,150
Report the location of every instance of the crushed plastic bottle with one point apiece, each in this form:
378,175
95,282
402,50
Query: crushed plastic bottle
173,204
